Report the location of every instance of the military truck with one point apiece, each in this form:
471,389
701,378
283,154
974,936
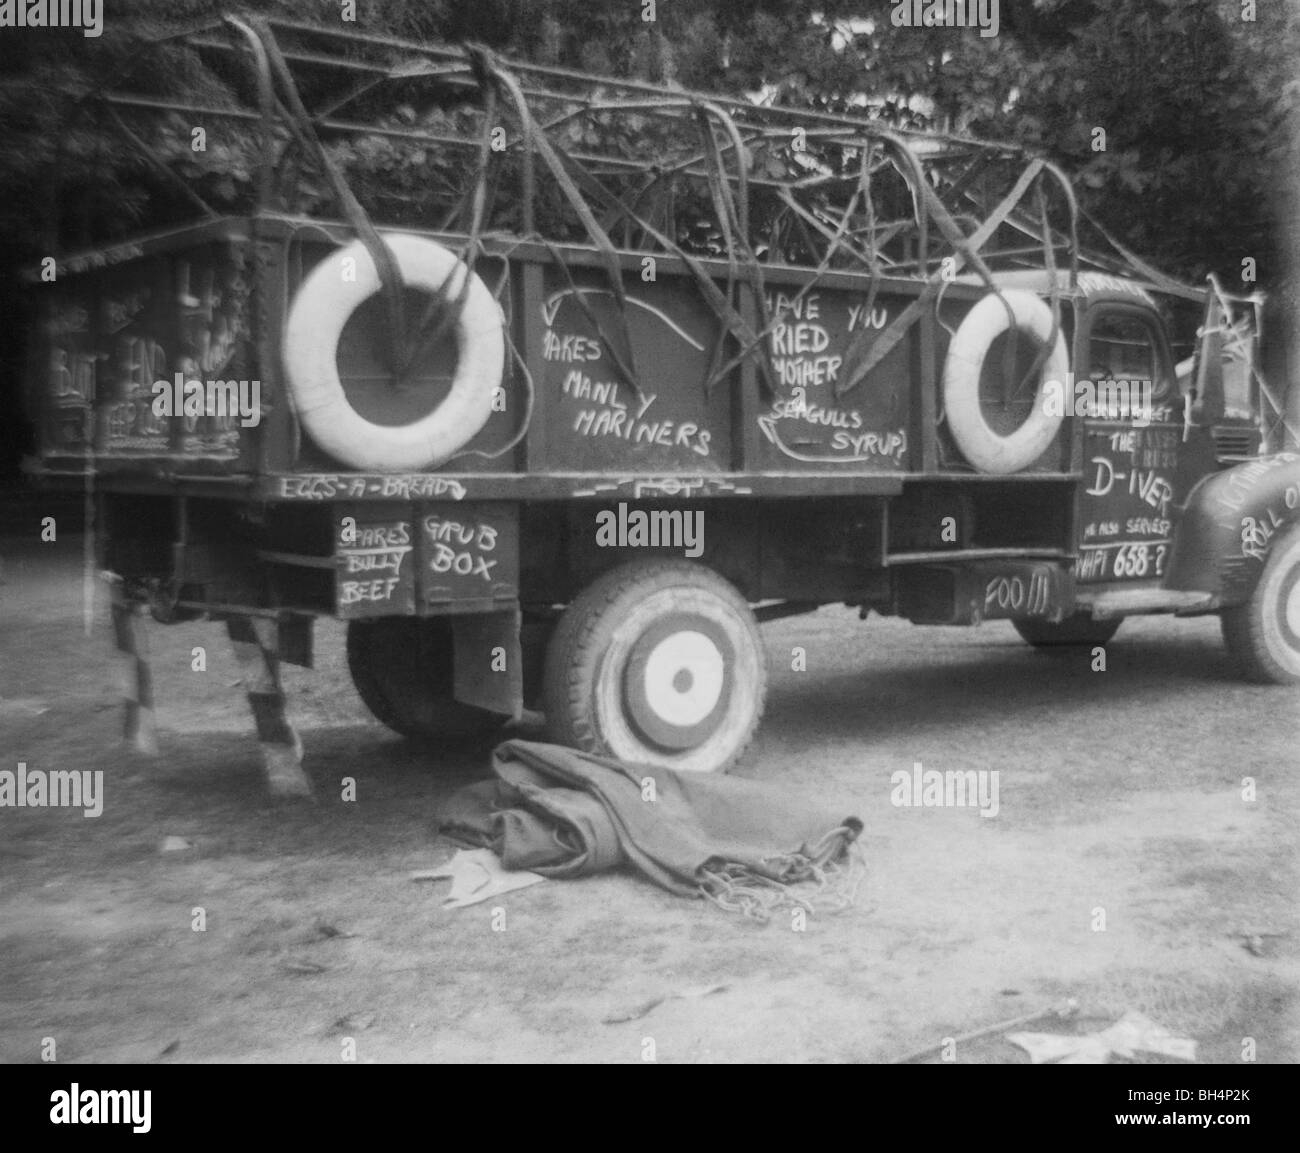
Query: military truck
597,375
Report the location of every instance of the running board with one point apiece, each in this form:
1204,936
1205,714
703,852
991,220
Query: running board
1134,602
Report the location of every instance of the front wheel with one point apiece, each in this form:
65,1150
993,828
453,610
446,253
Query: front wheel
657,662
1078,631
1263,635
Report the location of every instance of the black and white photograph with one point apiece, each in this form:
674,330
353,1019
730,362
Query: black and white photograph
631,532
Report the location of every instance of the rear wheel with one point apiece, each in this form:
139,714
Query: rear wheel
1078,631
1263,635
657,662
403,670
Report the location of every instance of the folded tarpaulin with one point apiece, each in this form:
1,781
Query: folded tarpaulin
564,813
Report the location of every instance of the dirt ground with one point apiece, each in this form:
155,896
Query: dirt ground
1119,790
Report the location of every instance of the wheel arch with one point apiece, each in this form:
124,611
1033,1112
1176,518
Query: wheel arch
1229,524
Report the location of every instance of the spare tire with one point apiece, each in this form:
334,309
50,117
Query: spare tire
320,310
986,449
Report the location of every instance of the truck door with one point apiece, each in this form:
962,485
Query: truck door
1127,396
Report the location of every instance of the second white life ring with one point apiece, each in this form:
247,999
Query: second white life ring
987,450
321,308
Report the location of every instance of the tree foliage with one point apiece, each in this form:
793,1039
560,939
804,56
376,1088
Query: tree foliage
1191,97
1194,100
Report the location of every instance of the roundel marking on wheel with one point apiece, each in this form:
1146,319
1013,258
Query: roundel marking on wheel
320,310
678,681
657,662
987,450
712,741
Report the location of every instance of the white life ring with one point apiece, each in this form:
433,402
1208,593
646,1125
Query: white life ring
987,450
316,319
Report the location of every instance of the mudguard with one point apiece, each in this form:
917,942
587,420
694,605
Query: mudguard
1228,527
